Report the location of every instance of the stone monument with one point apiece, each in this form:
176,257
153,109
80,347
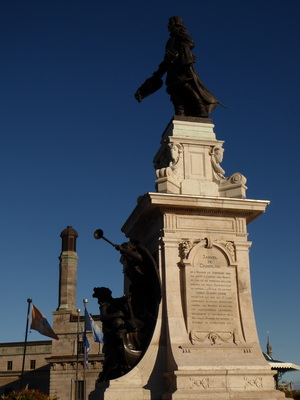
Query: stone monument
205,343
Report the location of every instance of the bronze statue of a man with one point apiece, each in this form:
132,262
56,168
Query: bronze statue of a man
188,95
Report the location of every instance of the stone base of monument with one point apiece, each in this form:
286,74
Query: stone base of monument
205,344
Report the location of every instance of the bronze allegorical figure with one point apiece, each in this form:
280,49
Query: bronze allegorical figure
128,321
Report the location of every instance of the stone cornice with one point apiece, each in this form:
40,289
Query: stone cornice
202,205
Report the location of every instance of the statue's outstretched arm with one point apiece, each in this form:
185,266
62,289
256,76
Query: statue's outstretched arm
135,255
152,84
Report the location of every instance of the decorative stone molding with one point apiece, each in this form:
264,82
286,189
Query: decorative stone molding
164,172
216,154
185,349
253,382
184,248
169,168
208,243
176,151
233,186
196,383
191,164
213,338
237,179
229,247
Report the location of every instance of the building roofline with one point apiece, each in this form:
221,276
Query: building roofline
33,343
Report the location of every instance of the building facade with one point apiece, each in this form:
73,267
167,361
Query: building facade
56,367
37,370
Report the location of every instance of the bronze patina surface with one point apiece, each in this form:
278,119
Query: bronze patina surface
187,93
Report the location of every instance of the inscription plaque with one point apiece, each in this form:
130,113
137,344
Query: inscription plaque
211,294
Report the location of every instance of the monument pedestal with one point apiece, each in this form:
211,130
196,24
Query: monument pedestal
205,344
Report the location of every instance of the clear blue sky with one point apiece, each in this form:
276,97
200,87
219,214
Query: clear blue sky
77,149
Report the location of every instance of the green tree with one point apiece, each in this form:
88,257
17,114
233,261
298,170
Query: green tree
27,394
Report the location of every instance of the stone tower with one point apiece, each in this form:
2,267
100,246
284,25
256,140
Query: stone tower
67,360
68,270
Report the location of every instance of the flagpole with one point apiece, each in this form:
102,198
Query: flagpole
29,301
77,354
85,350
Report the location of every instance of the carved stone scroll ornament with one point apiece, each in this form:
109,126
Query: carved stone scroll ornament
233,186
237,178
185,246
229,247
164,172
208,243
199,383
253,382
231,250
213,338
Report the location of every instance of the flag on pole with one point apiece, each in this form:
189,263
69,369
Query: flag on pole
39,323
87,348
90,325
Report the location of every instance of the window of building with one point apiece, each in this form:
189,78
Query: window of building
32,364
9,365
80,390
80,348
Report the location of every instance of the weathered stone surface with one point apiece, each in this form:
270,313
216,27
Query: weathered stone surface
189,161
205,345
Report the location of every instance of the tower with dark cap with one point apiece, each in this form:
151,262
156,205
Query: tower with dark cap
68,270
67,371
